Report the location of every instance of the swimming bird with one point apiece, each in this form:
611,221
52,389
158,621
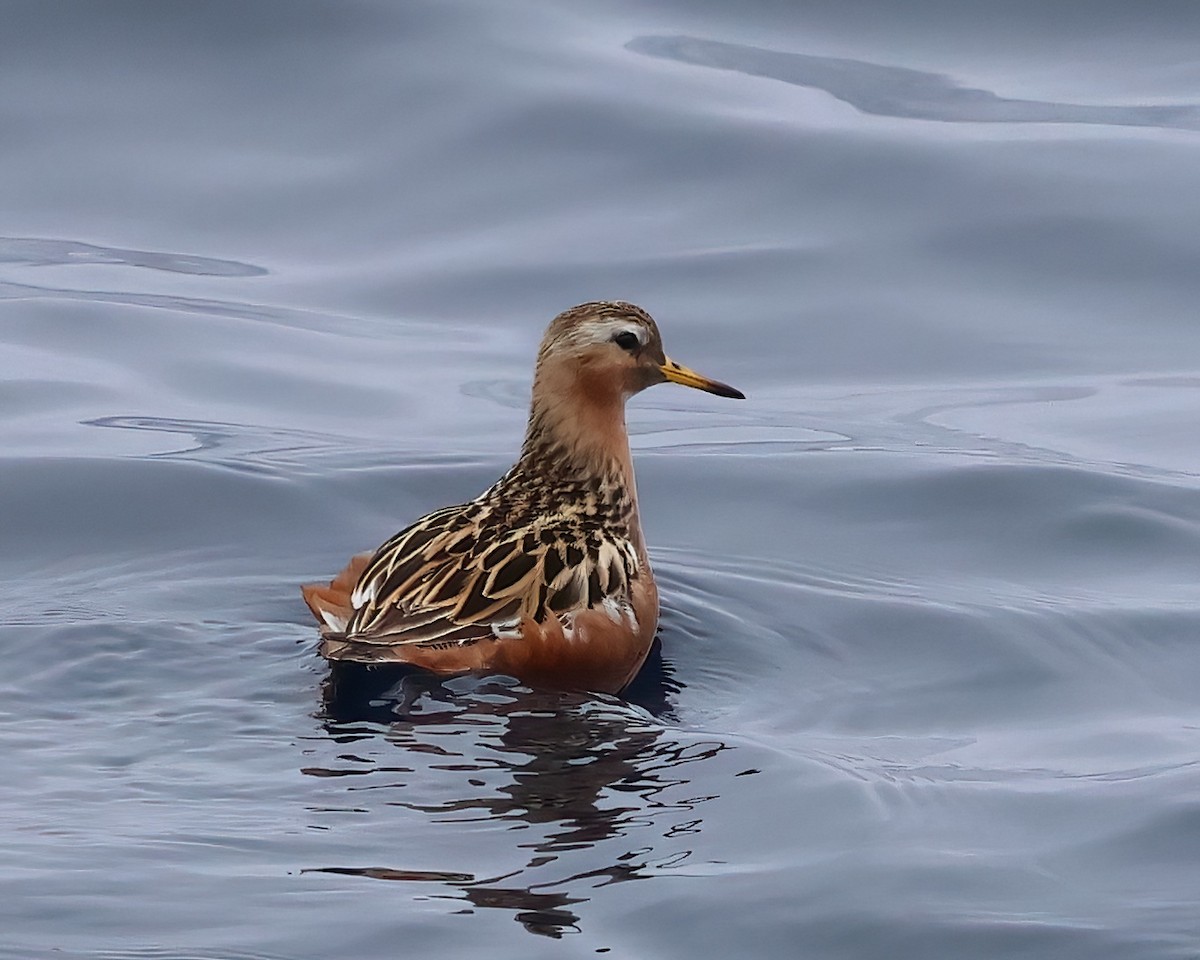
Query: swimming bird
544,576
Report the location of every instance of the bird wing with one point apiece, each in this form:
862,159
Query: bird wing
466,572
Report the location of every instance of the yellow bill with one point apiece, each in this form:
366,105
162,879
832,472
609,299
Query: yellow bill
677,373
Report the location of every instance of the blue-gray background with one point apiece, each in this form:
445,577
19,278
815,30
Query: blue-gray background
271,280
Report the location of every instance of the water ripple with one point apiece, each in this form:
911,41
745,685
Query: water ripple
892,91
40,252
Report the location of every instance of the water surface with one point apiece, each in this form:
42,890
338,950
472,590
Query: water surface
271,282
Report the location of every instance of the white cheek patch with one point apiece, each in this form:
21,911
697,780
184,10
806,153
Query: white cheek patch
596,333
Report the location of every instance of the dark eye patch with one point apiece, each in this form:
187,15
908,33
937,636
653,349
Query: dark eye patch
627,340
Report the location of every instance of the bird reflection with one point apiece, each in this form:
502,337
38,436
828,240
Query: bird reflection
583,770
354,693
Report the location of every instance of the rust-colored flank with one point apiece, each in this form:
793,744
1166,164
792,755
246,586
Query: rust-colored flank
543,576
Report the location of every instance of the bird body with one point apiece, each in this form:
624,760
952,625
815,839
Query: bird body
545,575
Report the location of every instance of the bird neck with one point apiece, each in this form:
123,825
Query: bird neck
576,446
577,420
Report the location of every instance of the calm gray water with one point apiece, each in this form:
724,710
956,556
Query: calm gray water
271,280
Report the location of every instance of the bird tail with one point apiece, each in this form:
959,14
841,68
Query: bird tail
330,602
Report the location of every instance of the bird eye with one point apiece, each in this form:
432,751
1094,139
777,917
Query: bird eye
627,340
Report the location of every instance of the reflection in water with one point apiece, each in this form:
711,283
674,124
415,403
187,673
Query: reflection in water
379,694
891,91
567,773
